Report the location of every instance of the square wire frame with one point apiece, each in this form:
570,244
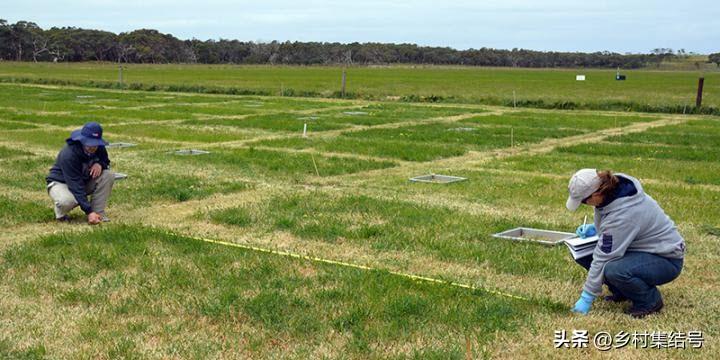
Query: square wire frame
541,236
437,179
120,145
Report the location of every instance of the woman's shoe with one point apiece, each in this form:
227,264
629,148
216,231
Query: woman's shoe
615,298
639,314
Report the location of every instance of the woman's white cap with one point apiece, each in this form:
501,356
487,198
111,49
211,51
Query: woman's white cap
582,185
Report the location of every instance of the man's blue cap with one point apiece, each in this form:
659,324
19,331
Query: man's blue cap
89,135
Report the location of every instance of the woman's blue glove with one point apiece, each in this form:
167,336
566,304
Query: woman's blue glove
583,305
586,230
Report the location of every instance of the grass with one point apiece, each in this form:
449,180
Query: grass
680,165
176,133
11,125
71,291
275,122
143,188
391,113
42,138
27,173
388,148
9,153
567,160
527,193
462,84
558,121
644,151
429,142
116,288
383,225
699,134
56,119
332,119
679,152
485,137
254,163
14,212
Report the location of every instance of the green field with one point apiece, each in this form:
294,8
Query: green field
144,285
555,87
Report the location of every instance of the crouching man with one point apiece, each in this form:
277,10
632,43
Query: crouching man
81,170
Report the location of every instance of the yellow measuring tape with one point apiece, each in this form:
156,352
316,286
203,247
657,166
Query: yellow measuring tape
356,266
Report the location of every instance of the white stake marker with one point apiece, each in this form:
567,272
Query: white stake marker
305,130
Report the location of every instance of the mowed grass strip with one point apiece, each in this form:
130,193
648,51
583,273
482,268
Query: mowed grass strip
290,122
12,125
38,99
644,151
79,106
42,138
177,133
242,105
695,133
332,119
494,190
13,211
429,142
475,137
27,173
685,153
8,153
568,160
31,118
123,291
57,119
387,113
385,148
270,165
397,226
558,120
58,99
147,188
703,203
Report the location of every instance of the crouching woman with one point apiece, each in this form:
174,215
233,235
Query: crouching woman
639,246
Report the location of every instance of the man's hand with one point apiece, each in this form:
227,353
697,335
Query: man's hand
94,218
95,170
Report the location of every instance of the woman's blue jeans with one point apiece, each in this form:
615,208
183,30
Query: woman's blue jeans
637,275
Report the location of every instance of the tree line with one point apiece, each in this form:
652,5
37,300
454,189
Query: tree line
26,41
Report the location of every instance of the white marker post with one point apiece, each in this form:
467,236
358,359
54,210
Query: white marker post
305,130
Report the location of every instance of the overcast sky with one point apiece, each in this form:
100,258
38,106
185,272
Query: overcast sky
561,25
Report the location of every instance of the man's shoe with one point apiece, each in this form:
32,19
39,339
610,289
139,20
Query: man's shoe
615,298
639,314
63,219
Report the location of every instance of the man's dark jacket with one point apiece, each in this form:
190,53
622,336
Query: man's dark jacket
72,167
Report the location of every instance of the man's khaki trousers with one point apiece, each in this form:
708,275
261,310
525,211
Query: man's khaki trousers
98,189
